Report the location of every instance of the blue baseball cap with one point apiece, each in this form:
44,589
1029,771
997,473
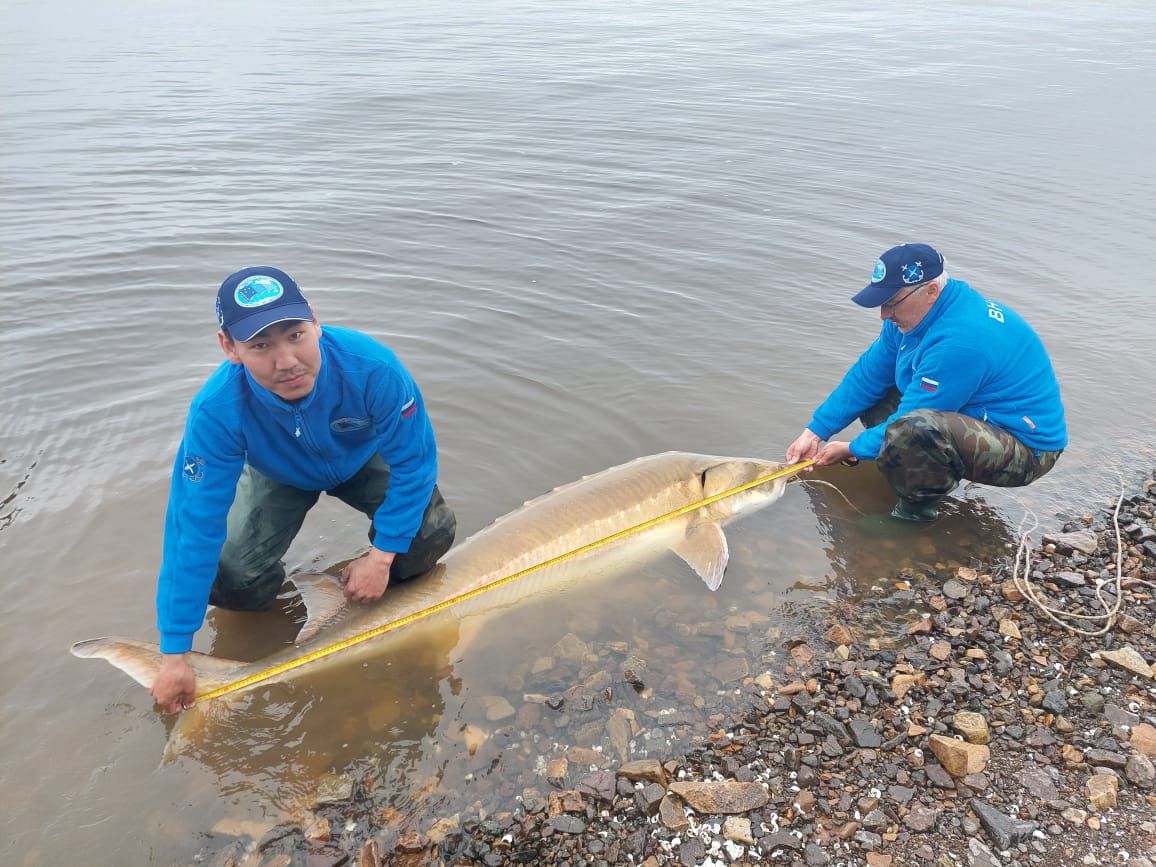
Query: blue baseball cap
902,267
255,298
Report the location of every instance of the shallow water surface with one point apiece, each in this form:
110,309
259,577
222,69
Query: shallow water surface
593,231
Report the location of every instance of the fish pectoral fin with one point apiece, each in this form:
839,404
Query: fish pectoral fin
141,660
704,548
324,600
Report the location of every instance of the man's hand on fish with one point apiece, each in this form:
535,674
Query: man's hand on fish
806,446
366,578
832,453
175,687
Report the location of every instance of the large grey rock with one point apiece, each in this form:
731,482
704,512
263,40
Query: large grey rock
1105,758
920,818
568,824
649,797
598,784
978,855
691,852
1083,541
1092,701
938,777
833,727
955,589
864,734
1140,771
1037,781
1055,701
1120,718
1004,831
778,841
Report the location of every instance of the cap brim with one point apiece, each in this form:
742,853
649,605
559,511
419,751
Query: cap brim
251,326
873,295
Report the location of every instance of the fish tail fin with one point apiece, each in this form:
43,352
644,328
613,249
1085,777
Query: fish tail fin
141,661
138,659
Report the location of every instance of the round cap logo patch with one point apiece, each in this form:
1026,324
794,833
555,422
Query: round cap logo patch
257,291
880,271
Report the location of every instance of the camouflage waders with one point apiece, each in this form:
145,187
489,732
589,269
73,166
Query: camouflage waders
266,515
927,452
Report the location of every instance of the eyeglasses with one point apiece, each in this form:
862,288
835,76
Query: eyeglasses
891,305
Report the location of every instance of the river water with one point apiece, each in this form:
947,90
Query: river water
593,231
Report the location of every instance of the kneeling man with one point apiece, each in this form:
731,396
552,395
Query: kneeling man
294,411
956,386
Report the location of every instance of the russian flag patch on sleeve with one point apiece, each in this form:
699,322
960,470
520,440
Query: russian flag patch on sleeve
929,384
409,408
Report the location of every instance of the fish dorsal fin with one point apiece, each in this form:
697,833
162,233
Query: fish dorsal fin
324,600
141,661
578,483
704,548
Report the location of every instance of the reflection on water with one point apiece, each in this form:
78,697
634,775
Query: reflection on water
865,547
280,739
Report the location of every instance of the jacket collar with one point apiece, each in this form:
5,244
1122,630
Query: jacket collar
947,297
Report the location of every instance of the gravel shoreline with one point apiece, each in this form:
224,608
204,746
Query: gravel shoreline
987,736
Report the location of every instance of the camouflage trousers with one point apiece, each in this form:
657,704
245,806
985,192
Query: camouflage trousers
266,516
926,453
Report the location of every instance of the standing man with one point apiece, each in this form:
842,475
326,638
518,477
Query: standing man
293,412
954,387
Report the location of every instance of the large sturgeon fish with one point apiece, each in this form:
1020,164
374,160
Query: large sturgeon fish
564,520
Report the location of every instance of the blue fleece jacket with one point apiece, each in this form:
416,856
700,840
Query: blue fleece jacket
363,403
968,355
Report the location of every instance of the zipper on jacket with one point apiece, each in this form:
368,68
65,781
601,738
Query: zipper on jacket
300,434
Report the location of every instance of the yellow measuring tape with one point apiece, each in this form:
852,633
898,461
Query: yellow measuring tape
322,652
